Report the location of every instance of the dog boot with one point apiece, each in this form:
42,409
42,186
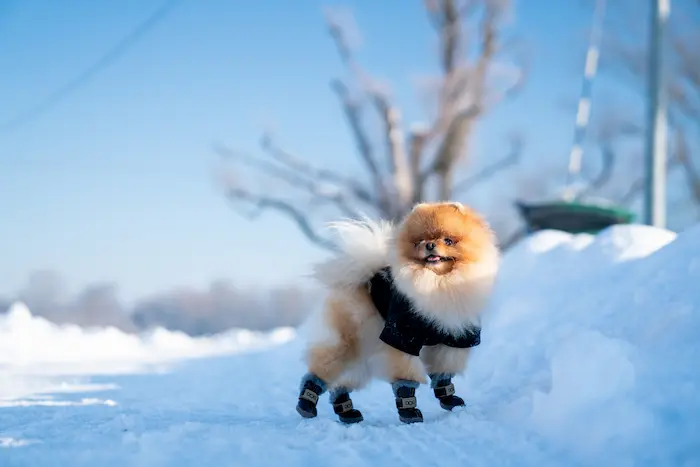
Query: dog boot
444,390
342,406
311,388
406,402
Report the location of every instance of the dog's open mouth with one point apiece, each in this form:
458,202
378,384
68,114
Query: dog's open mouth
433,259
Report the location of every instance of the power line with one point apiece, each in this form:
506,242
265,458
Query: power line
103,62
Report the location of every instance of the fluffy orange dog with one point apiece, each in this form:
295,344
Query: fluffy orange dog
404,302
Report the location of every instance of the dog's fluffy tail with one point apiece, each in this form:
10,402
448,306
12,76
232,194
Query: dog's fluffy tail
363,250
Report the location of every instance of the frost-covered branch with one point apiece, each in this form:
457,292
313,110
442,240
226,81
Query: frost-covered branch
314,187
465,94
301,166
351,109
491,170
260,203
397,197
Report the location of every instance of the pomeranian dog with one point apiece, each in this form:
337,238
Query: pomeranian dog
404,302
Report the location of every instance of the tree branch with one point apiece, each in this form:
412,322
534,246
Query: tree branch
692,175
446,18
460,121
418,140
512,239
300,166
613,127
638,185
685,89
489,171
390,115
261,203
634,189
295,180
606,170
352,114
398,163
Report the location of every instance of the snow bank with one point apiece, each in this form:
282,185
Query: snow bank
32,348
590,356
593,342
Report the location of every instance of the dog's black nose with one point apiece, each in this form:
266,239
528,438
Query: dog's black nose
430,246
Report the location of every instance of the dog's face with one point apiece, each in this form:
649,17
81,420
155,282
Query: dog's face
442,237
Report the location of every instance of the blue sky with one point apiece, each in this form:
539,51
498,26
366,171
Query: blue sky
115,182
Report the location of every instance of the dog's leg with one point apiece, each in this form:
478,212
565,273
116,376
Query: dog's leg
443,363
310,390
330,357
355,378
406,373
406,402
343,406
326,363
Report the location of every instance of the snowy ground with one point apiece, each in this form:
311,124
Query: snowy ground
590,356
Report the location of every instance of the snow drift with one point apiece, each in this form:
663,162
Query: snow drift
33,348
593,343
589,356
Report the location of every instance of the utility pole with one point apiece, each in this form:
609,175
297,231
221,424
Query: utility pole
656,144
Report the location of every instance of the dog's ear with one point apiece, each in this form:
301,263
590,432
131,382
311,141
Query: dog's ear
420,206
454,204
459,207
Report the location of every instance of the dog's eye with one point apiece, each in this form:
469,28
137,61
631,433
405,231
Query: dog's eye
448,241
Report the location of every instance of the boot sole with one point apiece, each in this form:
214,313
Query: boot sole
410,420
304,413
350,421
450,407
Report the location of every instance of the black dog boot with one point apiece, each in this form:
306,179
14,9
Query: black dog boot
406,402
444,390
311,388
342,406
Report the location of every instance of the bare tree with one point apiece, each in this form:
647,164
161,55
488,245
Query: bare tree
474,50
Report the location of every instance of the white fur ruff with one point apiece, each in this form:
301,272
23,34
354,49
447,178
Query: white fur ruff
454,301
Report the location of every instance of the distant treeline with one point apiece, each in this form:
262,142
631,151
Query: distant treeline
196,312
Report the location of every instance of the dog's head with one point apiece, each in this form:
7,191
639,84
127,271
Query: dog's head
445,259
444,238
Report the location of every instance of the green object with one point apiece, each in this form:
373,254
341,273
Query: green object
572,217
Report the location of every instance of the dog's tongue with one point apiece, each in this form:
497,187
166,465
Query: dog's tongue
432,258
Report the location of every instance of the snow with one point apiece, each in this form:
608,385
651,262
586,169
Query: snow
589,356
